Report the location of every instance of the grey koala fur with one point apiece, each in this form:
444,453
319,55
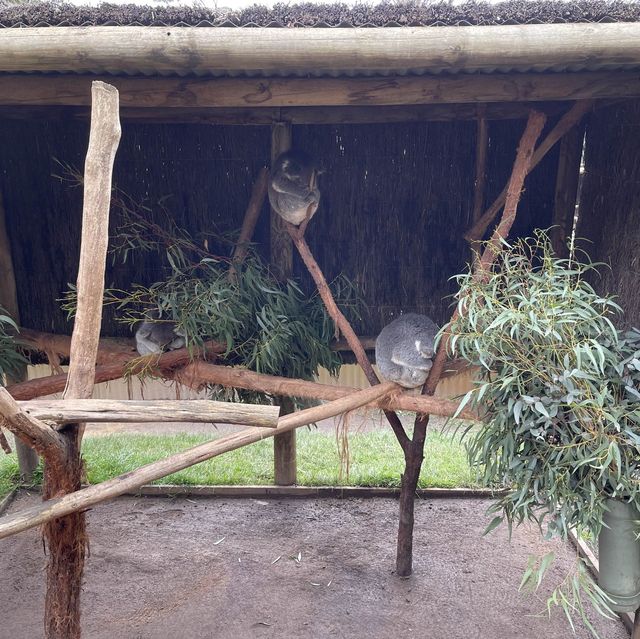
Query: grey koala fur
405,349
155,336
290,186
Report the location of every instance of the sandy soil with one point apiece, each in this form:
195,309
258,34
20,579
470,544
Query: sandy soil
181,568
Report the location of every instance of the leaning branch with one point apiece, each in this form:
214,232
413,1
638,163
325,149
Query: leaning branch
342,323
254,208
33,432
87,497
568,120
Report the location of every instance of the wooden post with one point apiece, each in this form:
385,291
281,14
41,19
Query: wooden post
66,538
284,446
566,193
414,453
27,457
482,148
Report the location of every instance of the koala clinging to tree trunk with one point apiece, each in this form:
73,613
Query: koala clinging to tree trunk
292,187
405,349
155,336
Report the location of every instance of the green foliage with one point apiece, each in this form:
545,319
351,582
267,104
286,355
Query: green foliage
560,387
267,326
10,358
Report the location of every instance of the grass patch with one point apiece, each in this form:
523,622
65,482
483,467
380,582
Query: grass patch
376,460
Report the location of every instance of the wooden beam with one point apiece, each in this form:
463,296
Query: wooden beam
151,365
191,93
261,116
200,373
27,456
266,51
66,411
482,149
83,499
281,262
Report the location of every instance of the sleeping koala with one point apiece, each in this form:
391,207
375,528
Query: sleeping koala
405,348
153,336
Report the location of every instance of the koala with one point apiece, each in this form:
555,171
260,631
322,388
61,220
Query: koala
405,348
292,187
155,336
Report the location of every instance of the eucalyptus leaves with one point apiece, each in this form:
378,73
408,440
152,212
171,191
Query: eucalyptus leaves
560,386
10,357
267,326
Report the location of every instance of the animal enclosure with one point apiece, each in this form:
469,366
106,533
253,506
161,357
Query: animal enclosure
441,138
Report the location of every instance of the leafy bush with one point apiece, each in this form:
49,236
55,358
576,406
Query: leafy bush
10,358
560,390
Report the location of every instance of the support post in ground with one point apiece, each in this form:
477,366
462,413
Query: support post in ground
285,469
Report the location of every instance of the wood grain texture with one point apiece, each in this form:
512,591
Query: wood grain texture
65,411
200,373
87,497
268,51
309,92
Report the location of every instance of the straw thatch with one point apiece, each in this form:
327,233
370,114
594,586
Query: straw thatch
610,203
412,13
396,201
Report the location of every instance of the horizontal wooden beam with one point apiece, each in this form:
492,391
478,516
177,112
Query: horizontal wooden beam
200,373
267,116
87,497
268,51
69,411
193,93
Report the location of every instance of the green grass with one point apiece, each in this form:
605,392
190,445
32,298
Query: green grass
376,460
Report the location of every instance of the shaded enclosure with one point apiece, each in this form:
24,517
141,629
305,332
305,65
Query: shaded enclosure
397,199
610,203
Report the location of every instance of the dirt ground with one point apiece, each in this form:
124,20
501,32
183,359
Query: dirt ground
163,568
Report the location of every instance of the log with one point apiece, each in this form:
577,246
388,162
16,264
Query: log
254,208
66,538
268,51
206,93
32,431
27,456
566,123
281,262
261,116
200,373
104,137
58,347
123,365
83,499
68,411
482,148
342,324
414,453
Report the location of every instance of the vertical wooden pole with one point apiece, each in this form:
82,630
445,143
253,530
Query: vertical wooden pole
66,537
566,193
284,445
27,457
482,148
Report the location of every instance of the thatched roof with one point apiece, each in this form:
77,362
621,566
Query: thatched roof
413,13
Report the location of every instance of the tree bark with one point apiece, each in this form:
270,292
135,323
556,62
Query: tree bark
414,454
66,538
